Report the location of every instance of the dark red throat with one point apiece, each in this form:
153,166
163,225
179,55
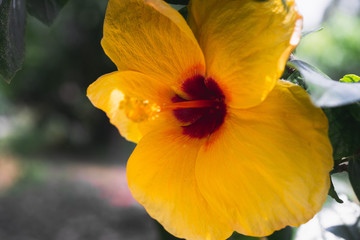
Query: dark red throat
207,109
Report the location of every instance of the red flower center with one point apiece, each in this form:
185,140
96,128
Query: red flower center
205,111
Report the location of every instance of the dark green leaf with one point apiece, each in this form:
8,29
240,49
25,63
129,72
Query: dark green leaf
296,78
45,10
344,130
163,234
324,91
348,232
355,111
237,236
350,78
184,12
332,193
354,174
180,2
340,166
283,234
306,33
12,30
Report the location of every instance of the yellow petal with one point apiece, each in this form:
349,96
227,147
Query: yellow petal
149,36
132,101
161,177
246,44
268,166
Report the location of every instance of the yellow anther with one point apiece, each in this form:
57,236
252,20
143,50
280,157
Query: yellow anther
139,110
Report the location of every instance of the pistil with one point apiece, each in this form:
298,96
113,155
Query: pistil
189,104
204,113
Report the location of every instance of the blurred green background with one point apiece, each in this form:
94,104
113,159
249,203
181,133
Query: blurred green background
62,164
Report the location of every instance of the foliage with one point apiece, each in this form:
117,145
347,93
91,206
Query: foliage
285,233
179,2
335,49
307,33
354,176
350,78
348,232
332,193
45,106
237,236
12,29
45,10
344,130
324,91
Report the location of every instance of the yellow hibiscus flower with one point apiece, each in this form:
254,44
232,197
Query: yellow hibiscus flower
223,145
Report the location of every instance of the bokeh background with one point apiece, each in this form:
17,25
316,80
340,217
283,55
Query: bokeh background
62,164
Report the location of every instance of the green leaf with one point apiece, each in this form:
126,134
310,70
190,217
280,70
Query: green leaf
179,2
283,234
184,12
348,232
324,91
355,111
344,130
332,193
12,43
350,78
307,33
297,79
354,174
237,236
45,10
163,234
